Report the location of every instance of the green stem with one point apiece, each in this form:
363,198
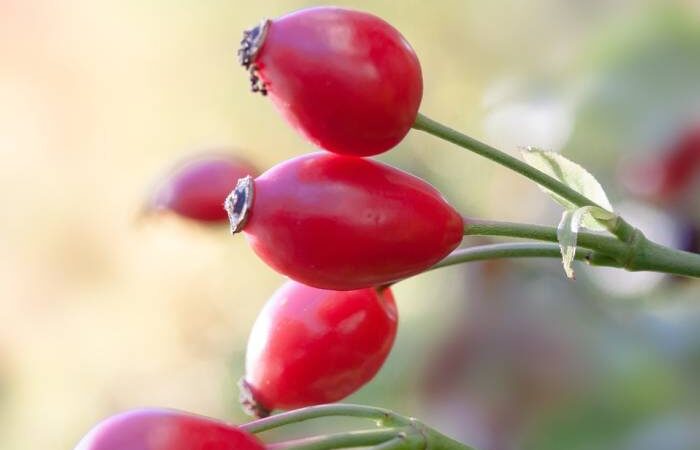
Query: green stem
439,441
600,243
619,227
521,250
638,252
383,417
340,440
648,255
401,433
402,442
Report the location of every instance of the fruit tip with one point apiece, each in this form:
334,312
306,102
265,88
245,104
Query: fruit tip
249,403
238,203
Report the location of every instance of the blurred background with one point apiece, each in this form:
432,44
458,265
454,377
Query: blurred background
104,311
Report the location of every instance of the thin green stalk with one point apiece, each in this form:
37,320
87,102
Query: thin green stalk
439,441
604,244
383,417
422,437
402,442
650,256
638,253
521,250
349,439
620,228
400,433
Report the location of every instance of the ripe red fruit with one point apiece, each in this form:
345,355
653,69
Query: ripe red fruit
311,346
197,189
163,429
343,223
345,79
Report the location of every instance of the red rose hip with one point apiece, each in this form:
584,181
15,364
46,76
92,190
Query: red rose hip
310,346
667,177
346,80
197,189
343,223
164,429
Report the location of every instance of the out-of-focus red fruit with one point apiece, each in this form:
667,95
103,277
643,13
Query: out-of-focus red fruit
666,176
197,188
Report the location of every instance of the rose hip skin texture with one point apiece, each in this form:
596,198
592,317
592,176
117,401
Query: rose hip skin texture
345,79
311,346
339,222
198,188
163,429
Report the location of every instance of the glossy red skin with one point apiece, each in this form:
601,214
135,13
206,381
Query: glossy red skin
310,346
345,79
343,223
197,189
163,429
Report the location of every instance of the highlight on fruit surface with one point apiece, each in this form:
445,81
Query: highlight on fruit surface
346,80
344,223
310,346
197,188
165,429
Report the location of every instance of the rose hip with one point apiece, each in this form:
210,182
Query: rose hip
667,176
343,223
346,80
311,346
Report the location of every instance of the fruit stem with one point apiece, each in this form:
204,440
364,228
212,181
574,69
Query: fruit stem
439,441
383,417
349,439
401,443
618,227
650,256
638,253
399,433
604,244
522,250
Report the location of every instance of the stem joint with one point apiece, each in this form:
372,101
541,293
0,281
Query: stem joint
635,247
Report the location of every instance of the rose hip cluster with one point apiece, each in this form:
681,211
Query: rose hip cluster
341,227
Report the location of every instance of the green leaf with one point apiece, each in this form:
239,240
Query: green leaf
567,232
578,179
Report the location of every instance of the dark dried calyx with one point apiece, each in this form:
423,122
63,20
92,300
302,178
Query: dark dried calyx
238,203
249,403
251,44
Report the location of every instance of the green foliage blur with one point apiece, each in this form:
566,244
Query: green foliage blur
104,310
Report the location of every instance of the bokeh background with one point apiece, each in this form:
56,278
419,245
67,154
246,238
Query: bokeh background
102,310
